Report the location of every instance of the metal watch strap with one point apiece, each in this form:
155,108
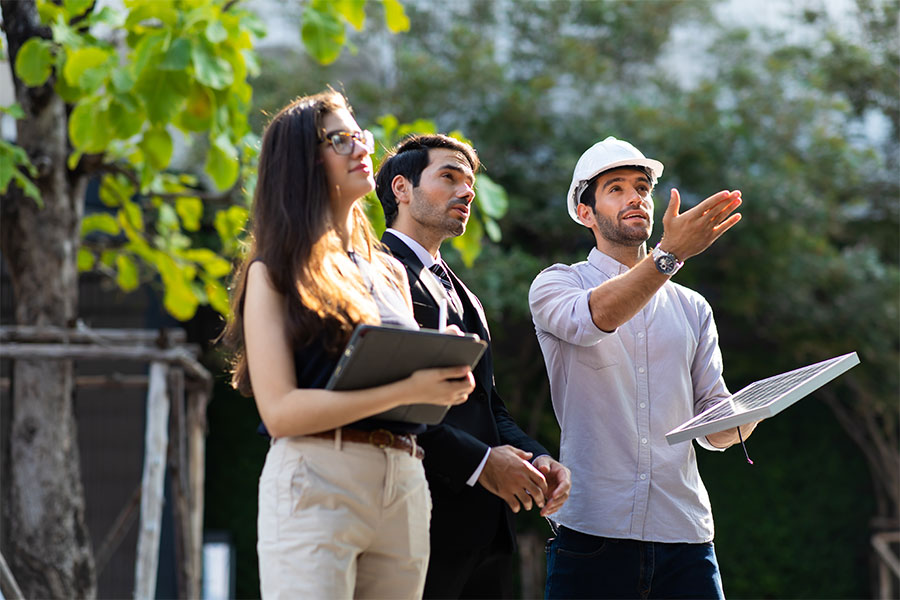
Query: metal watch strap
666,262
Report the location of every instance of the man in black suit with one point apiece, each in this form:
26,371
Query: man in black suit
481,467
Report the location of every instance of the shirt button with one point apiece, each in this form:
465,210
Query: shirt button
641,369
643,476
643,440
641,335
643,405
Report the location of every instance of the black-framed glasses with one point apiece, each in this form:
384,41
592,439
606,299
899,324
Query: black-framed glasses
342,141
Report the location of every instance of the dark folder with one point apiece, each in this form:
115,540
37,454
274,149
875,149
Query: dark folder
378,355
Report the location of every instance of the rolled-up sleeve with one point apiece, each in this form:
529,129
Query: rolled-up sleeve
560,306
707,368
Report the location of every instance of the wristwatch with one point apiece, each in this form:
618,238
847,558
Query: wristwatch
666,262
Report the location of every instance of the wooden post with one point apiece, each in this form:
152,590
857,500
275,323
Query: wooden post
152,484
8,584
196,436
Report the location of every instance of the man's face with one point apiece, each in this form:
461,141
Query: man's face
623,207
442,200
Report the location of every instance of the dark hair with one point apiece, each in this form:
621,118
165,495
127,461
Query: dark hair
588,196
409,159
292,233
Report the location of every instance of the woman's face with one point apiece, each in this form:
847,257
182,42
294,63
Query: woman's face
349,175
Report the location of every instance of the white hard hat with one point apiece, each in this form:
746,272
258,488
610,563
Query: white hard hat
603,156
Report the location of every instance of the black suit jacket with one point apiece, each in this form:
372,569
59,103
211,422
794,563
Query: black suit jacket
463,516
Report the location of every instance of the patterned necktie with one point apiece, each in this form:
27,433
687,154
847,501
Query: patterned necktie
441,273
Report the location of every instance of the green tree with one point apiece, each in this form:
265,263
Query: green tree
106,93
803,119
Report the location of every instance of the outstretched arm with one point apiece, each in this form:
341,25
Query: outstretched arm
617,300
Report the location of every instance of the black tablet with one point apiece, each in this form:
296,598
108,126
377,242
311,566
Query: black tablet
378,355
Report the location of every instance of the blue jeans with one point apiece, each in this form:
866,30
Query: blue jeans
586,566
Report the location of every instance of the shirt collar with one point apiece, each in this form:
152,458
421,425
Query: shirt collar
605,263
421,253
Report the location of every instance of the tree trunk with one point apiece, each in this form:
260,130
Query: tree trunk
46,536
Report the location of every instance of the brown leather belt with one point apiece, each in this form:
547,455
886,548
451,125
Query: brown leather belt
381,438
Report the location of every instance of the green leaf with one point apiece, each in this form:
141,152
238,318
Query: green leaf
492,229
65,35
14,164
210,69
157,147
103,222
151,10
147,52
127,273
89,127
13,110
49,12
469,243
178,57
322,34
85,260
198,109
75,8
179,299
491,197
190,210
131,216
108,17
108,258
216,32
115,190
353,11
230,223
87,68
34,62
217,297
417,126
222,162
163,94
212,263
125,117
395,17
168,219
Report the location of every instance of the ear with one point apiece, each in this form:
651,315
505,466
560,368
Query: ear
402,188
585,215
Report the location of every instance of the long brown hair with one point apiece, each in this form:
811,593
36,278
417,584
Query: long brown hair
292,233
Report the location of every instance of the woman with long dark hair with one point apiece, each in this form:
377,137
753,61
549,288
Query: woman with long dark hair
343,502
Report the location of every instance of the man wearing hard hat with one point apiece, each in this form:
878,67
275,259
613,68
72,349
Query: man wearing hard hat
631,355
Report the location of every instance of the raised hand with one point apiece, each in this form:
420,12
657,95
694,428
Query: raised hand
508,474
690,233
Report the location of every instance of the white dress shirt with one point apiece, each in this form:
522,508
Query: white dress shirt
616,394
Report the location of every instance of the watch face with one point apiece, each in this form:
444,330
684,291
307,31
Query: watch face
666,263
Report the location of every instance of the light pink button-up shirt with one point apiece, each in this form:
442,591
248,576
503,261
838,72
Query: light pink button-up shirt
617,394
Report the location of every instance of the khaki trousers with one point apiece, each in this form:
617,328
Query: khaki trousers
347,522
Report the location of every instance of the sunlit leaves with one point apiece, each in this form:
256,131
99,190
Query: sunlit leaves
221,162
190,210
325,21
15,166
87,68
179,68
323,31
395,17
102,222
34,62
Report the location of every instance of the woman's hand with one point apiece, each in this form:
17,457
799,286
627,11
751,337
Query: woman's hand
446,386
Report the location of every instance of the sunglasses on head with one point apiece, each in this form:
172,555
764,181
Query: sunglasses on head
342,141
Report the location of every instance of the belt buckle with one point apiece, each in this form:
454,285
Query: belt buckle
383,434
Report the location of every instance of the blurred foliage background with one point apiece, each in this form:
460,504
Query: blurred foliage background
795,103
801,114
